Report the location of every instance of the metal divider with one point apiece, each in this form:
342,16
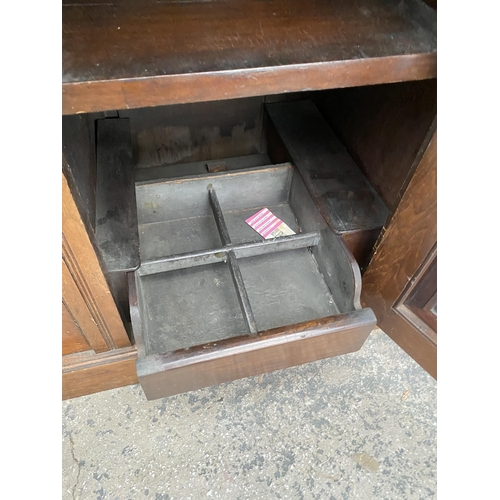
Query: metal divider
241,291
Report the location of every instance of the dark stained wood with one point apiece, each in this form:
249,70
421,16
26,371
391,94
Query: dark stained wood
431,3
185,133
79,255
383,128
91,321
73,339
298,133
420,296
276,149
342,193
116,228
411,340
360,244
128,54
135,93
88,373
404,246
124,55
78,147
424,292
231,359
424,320
412,233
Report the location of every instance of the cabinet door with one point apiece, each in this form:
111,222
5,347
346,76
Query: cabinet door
90,317
400,282
73,339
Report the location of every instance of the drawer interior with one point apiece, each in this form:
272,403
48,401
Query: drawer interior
283,280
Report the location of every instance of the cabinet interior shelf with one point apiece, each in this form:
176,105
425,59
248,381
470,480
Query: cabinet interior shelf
121,54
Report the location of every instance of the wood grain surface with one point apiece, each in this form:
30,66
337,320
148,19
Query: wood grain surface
77,306
238,357
73,339
88,373
78,147
406,243
124,55
84,271
383,128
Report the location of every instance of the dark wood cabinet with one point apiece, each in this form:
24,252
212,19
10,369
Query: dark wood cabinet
200,87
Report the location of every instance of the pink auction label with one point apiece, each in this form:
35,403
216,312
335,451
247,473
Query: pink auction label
268,225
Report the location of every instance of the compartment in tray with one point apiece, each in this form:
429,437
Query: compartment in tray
209,285
286,288
160,239
190,306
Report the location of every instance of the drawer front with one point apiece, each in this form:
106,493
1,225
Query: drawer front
231,359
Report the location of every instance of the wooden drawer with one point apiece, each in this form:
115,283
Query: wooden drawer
214,301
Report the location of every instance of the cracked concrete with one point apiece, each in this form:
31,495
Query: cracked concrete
77,463
359,426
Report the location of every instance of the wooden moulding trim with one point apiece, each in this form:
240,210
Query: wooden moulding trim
73,339
417,320
417,346
90,359
129,93
425,321
88,275
88,373
79,279
78,307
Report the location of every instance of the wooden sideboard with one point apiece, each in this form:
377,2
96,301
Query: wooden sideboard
194,79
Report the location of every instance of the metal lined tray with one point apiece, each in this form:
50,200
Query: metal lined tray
209,284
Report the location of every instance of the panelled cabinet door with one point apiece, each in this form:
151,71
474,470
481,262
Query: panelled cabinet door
73,339
90,317
83,333
400,282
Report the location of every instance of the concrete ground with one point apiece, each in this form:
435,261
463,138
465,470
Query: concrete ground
359,426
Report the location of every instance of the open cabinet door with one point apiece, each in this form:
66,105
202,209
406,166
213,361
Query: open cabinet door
97,353
400,282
